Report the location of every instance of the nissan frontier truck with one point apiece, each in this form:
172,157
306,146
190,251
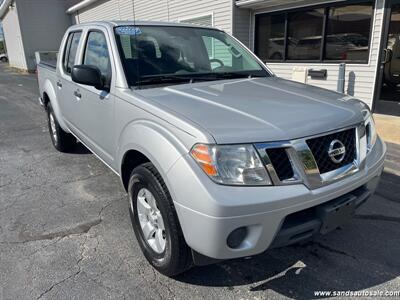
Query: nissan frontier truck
221,158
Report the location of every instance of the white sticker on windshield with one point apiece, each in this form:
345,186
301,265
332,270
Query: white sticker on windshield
128,30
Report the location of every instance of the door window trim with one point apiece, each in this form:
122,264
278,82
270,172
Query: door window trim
66,52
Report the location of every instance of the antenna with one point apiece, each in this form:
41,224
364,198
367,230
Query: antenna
136,51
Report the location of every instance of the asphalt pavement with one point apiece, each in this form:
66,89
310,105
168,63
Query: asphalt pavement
65,230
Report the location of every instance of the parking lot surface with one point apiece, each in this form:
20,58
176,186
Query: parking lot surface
65,230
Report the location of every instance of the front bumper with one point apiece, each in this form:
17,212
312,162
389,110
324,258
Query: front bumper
209,212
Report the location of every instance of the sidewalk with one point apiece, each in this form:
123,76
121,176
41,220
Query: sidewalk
388,128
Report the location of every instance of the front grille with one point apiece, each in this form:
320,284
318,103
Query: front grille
319,147
281,163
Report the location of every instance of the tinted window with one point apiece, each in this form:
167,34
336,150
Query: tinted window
270,37
96,53
66,51
305,34
346,37
348,31
73,47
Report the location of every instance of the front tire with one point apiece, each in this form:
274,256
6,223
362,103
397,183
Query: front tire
4,59
155,222
62,141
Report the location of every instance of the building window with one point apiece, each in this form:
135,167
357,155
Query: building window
271,37
206,20
305,34
324,34
348,31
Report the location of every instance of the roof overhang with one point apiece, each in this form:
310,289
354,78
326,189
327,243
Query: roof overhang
80,5
4,8
275,4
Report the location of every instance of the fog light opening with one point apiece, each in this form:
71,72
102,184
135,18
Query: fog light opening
236,237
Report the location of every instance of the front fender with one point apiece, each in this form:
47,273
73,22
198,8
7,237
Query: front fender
51,93
154,141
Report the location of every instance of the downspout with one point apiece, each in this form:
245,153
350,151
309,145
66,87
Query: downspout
80,5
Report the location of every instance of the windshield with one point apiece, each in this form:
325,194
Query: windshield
154,55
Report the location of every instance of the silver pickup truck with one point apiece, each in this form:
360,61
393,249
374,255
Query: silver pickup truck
221,159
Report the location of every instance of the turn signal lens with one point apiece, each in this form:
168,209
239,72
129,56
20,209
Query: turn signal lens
370,130
201,153
231,164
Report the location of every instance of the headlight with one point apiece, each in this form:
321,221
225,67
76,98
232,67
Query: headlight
370,130
231,164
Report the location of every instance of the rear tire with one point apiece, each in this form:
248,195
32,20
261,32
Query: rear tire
172,256
4,59
62,141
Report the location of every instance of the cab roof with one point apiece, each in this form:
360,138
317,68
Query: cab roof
117,23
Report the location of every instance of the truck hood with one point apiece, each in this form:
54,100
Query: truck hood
258,109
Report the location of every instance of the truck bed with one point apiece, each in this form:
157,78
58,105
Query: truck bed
46,70
47,58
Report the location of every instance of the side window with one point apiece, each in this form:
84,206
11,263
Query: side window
270,37
96,53
66,50
305,34
73,42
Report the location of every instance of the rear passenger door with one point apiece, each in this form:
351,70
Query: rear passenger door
95,108
65,86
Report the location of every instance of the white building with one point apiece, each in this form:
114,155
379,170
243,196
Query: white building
296,38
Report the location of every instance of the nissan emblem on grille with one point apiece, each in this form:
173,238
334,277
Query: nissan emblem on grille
337,151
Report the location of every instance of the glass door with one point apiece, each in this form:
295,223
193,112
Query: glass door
388,96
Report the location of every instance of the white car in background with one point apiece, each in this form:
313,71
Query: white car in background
3,57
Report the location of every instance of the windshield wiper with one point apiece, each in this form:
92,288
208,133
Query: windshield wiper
157,79
230,75
190,78
226,75
172,78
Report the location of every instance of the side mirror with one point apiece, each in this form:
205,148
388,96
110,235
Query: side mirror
88,75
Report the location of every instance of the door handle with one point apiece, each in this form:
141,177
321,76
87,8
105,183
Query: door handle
59,84
387,56
77,94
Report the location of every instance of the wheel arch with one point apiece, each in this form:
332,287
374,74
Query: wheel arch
146,141
131,160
